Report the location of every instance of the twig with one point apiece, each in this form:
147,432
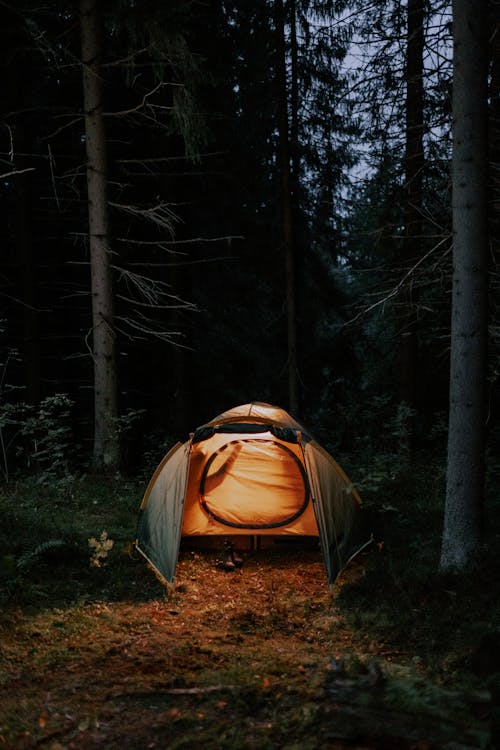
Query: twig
140,105
199,690
394,291
16,171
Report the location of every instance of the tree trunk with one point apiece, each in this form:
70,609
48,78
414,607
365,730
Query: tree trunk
462,533
106,448
294,104
287,212
494,147
414,158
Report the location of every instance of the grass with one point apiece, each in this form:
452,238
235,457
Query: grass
404,599
263,657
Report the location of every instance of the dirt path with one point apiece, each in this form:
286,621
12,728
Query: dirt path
243,659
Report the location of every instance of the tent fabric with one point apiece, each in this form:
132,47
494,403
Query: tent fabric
252,470
257,411
336,510
247,484
160,521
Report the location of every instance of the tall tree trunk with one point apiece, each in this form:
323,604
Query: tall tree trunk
494,146
462,533
106,448
414,162
287,212
294,104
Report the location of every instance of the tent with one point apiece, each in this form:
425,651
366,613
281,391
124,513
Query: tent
253,470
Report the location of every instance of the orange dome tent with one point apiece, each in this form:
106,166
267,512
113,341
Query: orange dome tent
252,470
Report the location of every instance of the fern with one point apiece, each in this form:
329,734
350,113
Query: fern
29,559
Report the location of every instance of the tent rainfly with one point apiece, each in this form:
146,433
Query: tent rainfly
252,470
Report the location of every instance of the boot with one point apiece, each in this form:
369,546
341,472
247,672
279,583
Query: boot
225,560
237,560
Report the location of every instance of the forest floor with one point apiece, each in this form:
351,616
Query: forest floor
260,657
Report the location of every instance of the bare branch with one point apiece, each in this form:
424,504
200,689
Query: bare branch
167,158
151,292
141,104
173,264
190,241
52,176
161,214
146,329
16,171
78,119
397,288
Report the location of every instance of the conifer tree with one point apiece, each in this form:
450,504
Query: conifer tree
106,449
463,520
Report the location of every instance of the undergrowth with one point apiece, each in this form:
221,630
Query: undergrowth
404,601
235,660
71,537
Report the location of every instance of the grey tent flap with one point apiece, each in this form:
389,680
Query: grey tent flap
335,508
160,521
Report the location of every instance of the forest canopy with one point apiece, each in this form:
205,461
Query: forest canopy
273,212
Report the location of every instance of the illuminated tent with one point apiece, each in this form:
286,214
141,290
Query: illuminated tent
252,470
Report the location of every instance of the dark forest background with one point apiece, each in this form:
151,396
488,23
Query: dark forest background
237,133
211,202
